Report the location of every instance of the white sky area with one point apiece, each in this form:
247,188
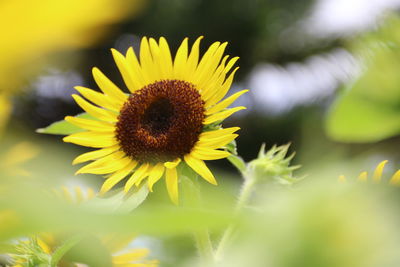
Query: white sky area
277,89
57,84
338,17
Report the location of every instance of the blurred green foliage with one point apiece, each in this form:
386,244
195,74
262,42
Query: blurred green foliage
368,110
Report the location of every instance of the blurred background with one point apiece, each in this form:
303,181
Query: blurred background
323,75
296,57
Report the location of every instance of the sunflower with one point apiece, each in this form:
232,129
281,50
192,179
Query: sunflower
171,116
40,249
377,175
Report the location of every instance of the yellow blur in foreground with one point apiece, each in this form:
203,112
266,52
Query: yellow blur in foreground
33,29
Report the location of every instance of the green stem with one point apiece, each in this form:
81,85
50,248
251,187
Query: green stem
204,246
244,196
193,199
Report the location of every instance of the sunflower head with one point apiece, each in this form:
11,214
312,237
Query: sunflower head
163,121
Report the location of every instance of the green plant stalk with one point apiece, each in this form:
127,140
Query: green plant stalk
244,197
193,200
204,245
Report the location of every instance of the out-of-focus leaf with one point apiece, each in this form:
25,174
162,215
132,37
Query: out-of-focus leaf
369,109
357,119
89,250
36,211
64,248
237,162
63,127
119,202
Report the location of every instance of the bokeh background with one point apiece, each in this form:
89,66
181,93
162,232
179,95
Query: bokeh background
295,56
323,75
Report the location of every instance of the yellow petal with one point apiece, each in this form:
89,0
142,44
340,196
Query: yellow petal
208,86
99,99
363,177
221,92
155,175
92,139
225,103
395,180
181,59
90,193
91,125
205,71
193,59
166,59
222,115
171,179
156,55
67,194
137,176
172,164
134,65
97,112
78,194
208,154
205,62
106,167
116,177
219,132
217,142
230,64
201,168
107,164
342,179
378,171
46,248
92,155
108,87
146,61
125,71
133,255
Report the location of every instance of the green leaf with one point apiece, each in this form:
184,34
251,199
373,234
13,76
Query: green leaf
232,147
369,109
356,119
119,201
64,248
238,162
63,127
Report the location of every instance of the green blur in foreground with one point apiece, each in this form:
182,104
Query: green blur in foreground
315,223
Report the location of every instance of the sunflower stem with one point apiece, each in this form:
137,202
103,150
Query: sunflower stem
204,245
243,199
192,198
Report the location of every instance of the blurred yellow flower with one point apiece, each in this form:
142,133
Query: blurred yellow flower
40,249
377,175
12,159
33,29
5,110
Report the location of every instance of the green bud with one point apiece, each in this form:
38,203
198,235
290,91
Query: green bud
272,166
29,254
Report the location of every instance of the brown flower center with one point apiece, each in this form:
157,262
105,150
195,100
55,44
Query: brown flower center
161,122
